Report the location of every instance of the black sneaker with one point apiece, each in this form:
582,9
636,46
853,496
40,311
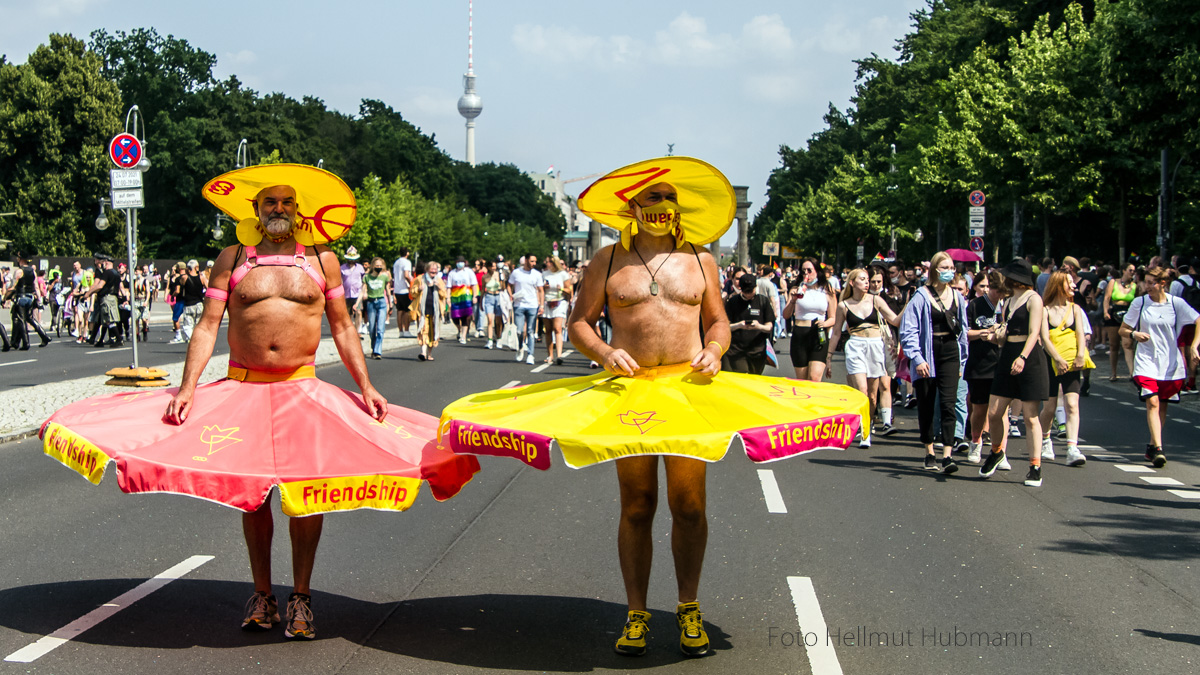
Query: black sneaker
911,401
961,446
885,430
930,463
948,465
985,438
1155,456
990,464
1034,477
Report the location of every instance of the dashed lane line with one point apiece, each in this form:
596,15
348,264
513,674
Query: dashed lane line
822,659
1160,480
110,350
511,384
63,635
17,363
540,368
1185,494
1134,468
771,492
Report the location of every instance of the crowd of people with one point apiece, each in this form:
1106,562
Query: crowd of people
975,351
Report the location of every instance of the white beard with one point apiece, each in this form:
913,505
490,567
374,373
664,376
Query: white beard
278,227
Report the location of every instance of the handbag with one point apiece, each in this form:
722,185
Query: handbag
1067,346
508,337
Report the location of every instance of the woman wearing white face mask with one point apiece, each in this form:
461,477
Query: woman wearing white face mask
934,336
811,306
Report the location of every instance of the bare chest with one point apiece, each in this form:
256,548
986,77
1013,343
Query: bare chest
285,283
676,280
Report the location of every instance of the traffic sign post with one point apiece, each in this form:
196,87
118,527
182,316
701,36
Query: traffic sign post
976,198
977,244
125,191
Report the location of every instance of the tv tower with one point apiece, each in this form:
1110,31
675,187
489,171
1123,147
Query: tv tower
470,105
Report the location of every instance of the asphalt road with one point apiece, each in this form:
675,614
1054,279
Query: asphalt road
518,573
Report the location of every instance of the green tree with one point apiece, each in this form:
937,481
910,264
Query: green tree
57,115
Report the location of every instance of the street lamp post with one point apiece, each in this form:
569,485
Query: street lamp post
243,155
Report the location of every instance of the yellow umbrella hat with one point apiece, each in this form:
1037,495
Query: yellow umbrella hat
706,199
325,204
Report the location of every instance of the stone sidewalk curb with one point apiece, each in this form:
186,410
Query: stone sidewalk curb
34,405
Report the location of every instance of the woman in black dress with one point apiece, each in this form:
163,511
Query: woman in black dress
1021,371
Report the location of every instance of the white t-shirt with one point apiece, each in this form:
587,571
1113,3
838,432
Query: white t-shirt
1178,284
812,304
524,284
463,277
399,281
554,284
1159,357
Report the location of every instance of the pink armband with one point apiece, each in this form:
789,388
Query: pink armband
217,294
335,293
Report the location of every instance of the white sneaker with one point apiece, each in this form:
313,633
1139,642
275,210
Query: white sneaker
1075,457
975,454
1047,449
529,359
176,341
462,340
1004,465
362,330
490,344
521,354
864,443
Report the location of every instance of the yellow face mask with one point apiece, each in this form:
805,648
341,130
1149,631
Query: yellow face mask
660,219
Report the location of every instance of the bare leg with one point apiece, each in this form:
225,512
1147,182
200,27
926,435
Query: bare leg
1033,425
1156,414
689,525
816,370
638,477
258,528
979,422
801,373
305,532
998,421
1071,403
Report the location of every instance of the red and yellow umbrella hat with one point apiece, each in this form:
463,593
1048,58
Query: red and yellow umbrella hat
326,205
703,213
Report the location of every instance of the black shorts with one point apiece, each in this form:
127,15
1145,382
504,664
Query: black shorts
402,301
809,343
1071,381
979,390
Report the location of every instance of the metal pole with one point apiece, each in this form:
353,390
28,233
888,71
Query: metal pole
1162,206
130,228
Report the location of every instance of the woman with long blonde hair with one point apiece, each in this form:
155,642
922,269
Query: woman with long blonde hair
864,315
1061,313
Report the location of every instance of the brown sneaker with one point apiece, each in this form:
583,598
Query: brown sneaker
262,612
300,624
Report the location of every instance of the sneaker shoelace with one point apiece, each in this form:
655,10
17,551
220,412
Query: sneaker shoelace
692,622
258,606
635,628
299,611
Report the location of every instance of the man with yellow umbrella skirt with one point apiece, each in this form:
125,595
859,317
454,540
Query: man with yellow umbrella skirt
662,392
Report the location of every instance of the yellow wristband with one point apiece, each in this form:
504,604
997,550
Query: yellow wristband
719,347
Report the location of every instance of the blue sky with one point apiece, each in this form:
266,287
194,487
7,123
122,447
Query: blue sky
585,87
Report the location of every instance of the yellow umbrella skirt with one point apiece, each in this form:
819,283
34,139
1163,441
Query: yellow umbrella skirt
659,411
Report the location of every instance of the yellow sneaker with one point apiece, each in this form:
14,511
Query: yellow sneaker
633,638
693,641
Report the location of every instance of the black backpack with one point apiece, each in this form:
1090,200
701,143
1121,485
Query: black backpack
1191,293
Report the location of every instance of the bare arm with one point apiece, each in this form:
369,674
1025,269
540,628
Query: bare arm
1048,344
888,315
712,316
839,319
204,337
830,311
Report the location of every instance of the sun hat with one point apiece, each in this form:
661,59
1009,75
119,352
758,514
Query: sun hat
325,204
706,199
1019,270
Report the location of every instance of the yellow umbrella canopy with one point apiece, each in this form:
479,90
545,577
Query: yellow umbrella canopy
706,199
325,204
667,410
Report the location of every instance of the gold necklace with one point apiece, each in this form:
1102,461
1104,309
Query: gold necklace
653,283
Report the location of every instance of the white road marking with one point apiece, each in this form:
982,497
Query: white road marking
540,368
822,659
1186,494
771,493
110,350
1090,448
568,353
1110,458
49,643
1160,480
1126,403
1180,420
1134,468
511,384
17,363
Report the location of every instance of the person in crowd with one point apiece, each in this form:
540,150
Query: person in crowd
933,334
402,278
1119,295
1021,373
1063,336
811,309
142,290
526,289
881,285
193,299
1155,321
867,318
557,293
23,291
175,299
752,322
1185,286
106,289
493,286
352,280
377,299
463,288
429,296
982,355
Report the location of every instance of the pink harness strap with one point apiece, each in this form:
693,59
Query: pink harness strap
296,260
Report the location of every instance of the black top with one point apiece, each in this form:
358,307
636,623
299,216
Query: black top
757,309
430,297
938,318
854,321
25,283
112,283
193,290
981,354
1018,320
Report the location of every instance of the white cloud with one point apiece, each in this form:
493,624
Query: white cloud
836,37
769,35
244,57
